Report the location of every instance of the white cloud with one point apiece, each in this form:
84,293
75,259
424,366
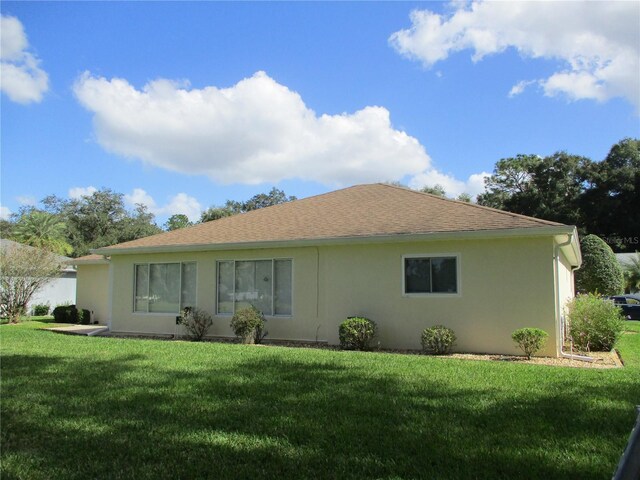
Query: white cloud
180,203
20,76
452,186
27,200
257,131
5,213
598,43
78,192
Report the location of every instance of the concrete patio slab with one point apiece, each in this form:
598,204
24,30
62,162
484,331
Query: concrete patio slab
88,330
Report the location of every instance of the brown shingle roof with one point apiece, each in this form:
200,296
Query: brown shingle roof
358,211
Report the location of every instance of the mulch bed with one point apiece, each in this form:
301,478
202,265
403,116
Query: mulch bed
602,360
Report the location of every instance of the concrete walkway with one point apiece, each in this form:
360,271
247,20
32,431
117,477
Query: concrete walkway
88,330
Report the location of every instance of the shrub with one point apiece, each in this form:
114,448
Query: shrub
41,310
70,314
196,322
84,316
248,325
356,333
60,314
438,340
530,340
594,324
600,272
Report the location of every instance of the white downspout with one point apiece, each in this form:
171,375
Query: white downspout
571,356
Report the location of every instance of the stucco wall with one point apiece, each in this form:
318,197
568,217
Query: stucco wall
505,285
93,291
302,325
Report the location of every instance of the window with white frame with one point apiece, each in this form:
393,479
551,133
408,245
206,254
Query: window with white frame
164,287
265,284
424,274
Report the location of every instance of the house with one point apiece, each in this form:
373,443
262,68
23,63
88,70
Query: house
60,291
405,259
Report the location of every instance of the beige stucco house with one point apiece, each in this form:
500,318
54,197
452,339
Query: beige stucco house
405,259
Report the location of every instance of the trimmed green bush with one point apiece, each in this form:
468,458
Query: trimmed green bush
248,325
600,272
530,340
438,340
60,314
357,333
196,322
594,324
84,317
41,310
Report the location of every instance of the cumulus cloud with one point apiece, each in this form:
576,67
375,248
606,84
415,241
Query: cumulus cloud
180,203
21,78
257,131
474,185
597,43
78,192
5,213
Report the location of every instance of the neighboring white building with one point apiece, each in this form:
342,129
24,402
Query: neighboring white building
60,291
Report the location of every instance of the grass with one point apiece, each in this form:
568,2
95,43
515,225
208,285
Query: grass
79,407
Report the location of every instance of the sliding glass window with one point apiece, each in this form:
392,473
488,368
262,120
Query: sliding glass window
264,284
164,287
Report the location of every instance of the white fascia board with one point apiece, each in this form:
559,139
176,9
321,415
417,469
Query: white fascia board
551,230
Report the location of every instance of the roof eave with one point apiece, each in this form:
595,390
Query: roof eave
551,230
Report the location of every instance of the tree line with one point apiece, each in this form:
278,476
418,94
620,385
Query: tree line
74,227
599,197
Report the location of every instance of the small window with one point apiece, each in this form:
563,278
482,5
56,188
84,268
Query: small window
436,274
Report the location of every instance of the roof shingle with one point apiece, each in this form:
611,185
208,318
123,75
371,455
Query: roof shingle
358,211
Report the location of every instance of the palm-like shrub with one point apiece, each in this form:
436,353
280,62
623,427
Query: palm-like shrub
632,274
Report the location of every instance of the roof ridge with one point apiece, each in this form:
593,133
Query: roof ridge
475,205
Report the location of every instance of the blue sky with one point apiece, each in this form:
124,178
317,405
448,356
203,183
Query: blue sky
183,105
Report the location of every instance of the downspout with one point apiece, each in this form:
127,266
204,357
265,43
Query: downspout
563,354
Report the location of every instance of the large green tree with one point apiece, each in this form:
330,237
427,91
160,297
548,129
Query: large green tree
41,230
612,200
543,187
177,221
101,219
233,207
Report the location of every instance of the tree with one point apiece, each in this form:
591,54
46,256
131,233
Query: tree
600,272
25,270
215,213
233,207
632,274
549,188
101,219
613,196
42,230
464,197
177,221
437,190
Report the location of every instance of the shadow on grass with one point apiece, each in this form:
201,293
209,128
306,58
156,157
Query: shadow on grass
270,416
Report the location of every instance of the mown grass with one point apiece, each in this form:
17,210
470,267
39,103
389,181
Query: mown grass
78,407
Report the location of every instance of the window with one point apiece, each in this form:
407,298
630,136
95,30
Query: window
265,284
430,274
164,287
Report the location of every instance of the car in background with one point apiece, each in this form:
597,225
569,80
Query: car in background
629,304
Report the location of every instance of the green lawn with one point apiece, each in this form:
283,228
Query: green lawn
87,407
